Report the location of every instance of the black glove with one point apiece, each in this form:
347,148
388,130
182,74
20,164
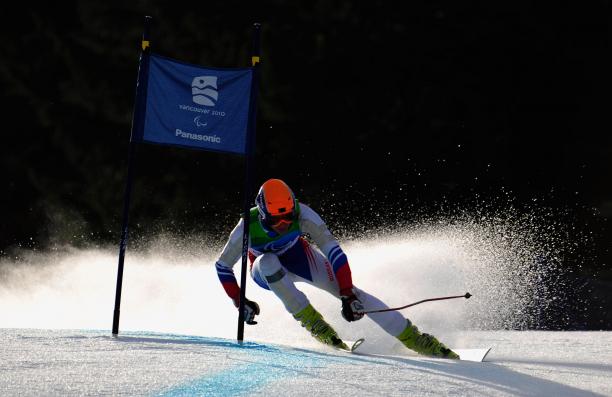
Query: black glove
352,308
251,309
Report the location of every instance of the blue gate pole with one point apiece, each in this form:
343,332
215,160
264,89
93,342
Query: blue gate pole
137,117
250,163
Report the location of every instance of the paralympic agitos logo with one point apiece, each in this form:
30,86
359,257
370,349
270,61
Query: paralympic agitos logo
204,90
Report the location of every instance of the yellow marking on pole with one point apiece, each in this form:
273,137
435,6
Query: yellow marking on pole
145,44
254,60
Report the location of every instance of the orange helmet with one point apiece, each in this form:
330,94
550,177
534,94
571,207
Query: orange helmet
275,202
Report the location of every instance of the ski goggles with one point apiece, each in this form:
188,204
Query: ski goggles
279,220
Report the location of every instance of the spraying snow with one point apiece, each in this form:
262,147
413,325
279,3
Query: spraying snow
170,287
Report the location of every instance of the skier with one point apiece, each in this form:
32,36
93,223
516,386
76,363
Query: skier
281,254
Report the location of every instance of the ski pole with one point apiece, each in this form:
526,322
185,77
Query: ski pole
466,296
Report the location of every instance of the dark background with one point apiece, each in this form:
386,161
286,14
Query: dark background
374,112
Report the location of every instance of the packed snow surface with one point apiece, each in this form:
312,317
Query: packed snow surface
77,362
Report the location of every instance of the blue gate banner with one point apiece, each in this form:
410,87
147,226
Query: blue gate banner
192,106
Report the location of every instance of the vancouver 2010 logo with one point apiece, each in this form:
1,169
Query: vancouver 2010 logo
204,90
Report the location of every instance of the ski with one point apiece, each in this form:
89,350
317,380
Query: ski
477,355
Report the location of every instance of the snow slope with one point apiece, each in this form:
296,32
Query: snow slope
77,362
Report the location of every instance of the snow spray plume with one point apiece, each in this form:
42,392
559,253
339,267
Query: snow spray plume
516,263
510,261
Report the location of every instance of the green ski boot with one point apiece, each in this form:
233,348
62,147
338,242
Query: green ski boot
424,344
313,321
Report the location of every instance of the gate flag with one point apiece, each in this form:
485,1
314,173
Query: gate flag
187,105
192,106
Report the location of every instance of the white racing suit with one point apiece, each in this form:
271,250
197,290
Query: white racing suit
279,262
